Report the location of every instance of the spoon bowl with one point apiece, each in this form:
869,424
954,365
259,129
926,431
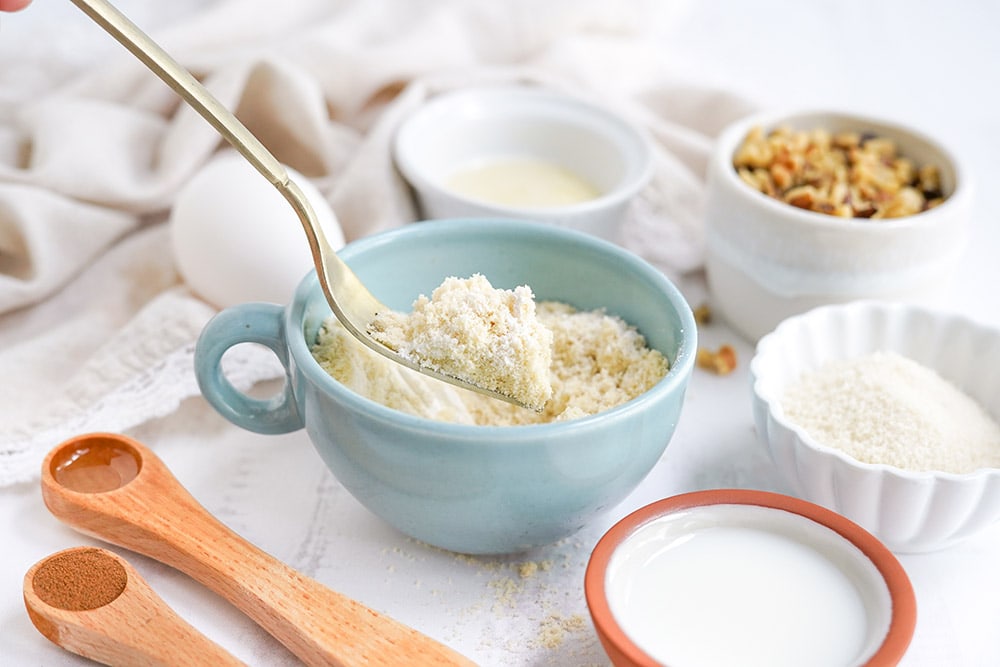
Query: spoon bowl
116,489
348,297
91,602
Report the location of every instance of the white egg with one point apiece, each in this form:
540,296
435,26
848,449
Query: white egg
237,239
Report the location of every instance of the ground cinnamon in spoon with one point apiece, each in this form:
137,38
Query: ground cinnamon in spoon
79,580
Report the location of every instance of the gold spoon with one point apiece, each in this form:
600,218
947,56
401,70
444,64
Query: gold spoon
114,488
91,602
349,299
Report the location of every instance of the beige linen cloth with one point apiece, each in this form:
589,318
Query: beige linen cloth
97,329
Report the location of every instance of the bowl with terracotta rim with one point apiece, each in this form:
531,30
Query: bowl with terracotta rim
624,555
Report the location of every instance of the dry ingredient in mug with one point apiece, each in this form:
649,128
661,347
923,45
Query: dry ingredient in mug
886,408
598,361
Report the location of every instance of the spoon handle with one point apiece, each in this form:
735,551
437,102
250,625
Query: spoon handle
348,297
185,85
154,515
136,628
352,302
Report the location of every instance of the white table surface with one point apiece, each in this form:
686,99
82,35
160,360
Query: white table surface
931,65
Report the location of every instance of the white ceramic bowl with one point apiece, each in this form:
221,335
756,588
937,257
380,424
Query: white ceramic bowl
736,576
767,260
474,126
909,511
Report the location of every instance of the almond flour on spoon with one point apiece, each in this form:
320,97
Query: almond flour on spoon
472,331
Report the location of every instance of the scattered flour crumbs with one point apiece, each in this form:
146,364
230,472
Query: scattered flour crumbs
597,361
522,606
885,408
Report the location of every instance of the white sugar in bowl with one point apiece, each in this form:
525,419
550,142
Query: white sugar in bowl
907,506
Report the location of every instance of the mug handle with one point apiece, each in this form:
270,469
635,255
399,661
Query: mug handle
246,323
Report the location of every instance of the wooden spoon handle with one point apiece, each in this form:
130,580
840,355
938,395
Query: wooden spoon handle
154,515
135,628
319,625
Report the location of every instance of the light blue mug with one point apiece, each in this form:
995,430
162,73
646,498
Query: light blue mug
470,489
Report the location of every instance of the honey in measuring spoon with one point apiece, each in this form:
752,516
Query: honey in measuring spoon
97,466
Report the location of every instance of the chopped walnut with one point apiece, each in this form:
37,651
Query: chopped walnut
702,314
720,362
847,174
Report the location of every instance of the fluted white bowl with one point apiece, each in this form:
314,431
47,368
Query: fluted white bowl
909,511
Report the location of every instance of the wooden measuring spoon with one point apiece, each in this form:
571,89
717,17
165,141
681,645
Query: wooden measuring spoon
91,602
114,488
